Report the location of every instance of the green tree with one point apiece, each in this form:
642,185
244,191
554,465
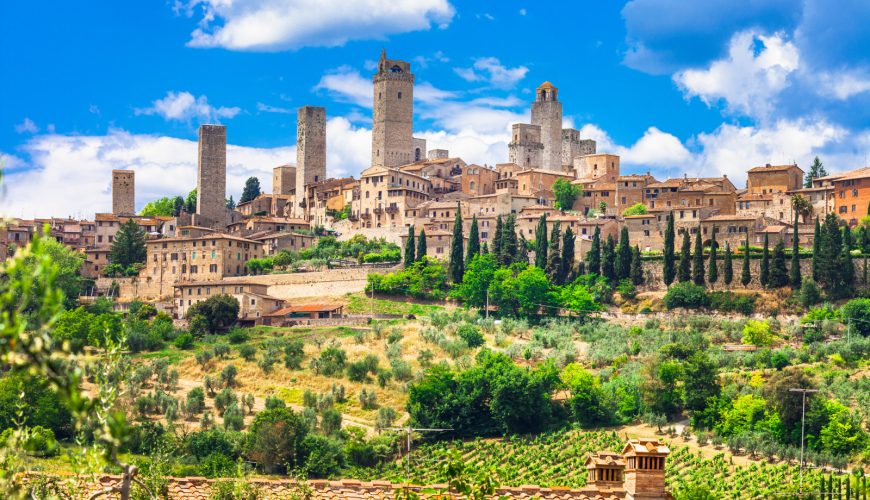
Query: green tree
764,273
509,247
623,256
275,439
421,245
608,257
410,248
669,271
178,206
636,209
727,266
473,240
565,194
593,256
698,261
757,333
554,254
795,271
475,283
496,239
567,261
129,245
588,402
701,381
685,272
457,260
251,190
745,277
190,202
778,271
231,204
164,206
532,290
541,242
636,266
817,250
713,266
817,169
219,311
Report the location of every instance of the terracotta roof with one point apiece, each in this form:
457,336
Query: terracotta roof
305,308
860,173
217,236
773,229
605,459
645,446
279,220
179,284
717,218
546,85
772,168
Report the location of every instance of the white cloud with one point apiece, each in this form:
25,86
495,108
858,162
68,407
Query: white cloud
74,172
755,71
347,85
266,108
183,106
27,126
654,149
426,93
492,71
271,25
843,85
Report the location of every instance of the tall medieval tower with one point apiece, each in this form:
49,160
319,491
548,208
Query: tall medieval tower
211,179
123,192
393,114
310,152
547,114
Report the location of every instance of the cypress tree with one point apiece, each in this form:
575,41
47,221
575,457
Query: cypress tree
541,242
795,272
685,259
636,266
817,250
778,271
713,266
623,256
593,256
496,239
421,245
522,250
830,250
508,251
554,254
473,241
846,267
457,260
764,276
567,255
484,249
128,248
727,266
669,271
607,260
698,260
410,250
745,277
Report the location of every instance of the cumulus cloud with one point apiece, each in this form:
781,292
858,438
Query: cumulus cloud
184,106
27,127
164,166
755,71
346,84
493,72
272,25
843,85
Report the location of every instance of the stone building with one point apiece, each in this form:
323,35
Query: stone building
310,153
478,180
631,189
774,179
392,114
419,149
254,302
267,223
547,114
274,242
539,182
716,193
851,194
387,193
211,180
573,146
597,166
123,192
283,179
525,149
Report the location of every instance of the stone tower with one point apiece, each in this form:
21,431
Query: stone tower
283,179
211,180
310,151
547,114
123,192
525,148
393,113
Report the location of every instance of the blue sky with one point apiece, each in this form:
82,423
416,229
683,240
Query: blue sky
706,88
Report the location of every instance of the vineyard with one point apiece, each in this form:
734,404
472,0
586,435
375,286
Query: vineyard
557,459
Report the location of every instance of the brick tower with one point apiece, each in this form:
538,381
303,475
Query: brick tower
525,148
310,152
123,192
547,114
393,113
645,469
211,180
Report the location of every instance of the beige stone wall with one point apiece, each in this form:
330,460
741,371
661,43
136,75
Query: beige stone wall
310,147
284,179
211,184
123,192
547,114
393,114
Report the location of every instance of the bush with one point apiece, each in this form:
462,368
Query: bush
858,310
471,335
324,456
757,333
626,289
810,293
218,311
248,352
40,442
217,465
294,354
183,341
214,441
357,371
732,302
44,407
331,361
686,294
237,336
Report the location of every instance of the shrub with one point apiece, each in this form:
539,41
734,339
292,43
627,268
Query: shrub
234,419
40,441
757,333
221,350
217,465
471,335
248,352
686,294
184,341
237,336
195,401
357,371
331,361
274,402
228,375
324,455
732,302
858,310
294,354
810,293
219,311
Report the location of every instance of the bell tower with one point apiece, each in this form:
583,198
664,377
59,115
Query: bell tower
547,114
392,113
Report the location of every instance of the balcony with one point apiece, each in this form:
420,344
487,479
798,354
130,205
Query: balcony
365,216
378,210
392,210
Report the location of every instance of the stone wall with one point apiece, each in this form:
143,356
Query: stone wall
123,192
310,149
211,181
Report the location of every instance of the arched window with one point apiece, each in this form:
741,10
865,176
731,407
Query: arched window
395,69
472,185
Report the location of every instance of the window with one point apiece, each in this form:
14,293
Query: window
400,95
212,268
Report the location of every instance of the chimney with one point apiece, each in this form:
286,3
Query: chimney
645,469
606,471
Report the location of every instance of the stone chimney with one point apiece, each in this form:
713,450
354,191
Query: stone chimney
605,471
645,469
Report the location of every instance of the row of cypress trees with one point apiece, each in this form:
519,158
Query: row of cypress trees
615,261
